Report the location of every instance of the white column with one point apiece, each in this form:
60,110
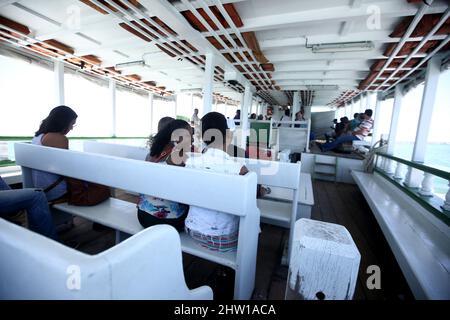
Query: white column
246,103
361,102
368,101
308,112
426,111
208,83
377,119
395,118
150,100
112,96
295,104
192,103
59,83
394,125
176,106
350,116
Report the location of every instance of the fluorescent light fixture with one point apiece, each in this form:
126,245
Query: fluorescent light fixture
343,47
132,64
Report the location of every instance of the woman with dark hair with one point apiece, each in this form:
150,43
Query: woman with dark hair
52,133
169,146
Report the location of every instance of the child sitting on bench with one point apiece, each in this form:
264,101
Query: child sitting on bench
212,229
168,147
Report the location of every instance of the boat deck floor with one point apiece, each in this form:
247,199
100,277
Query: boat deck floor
336,203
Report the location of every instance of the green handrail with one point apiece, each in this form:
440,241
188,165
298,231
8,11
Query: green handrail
419,166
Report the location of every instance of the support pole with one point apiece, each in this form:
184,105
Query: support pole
112,96
59,83
246,103
377,119
208,83
426,110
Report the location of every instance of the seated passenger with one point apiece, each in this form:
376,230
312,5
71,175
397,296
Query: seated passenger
212,229
355,122
52,133
260,117
169,147
31,200
358,134
161,124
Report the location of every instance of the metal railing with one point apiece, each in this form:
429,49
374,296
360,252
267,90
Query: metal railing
416,180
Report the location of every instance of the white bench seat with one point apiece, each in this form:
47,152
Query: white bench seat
122,216
418,240
276,213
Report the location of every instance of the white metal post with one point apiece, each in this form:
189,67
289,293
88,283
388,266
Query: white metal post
426,110
59,83
394,122
368,101
295,104
350,116
150,100
361,103
112,96
247,101
208,83
377,119
176,106
192,103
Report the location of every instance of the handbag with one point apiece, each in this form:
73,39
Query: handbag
84,193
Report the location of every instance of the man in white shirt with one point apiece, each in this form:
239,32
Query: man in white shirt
195,120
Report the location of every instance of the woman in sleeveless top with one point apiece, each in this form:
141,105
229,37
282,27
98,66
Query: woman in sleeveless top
52,133
169,146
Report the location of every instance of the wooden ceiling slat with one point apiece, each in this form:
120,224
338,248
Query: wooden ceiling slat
97,8
15,25
427,23
253,44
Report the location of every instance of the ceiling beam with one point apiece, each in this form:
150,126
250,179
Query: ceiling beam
343,13
381,36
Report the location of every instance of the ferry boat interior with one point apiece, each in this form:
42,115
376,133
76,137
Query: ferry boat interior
311,91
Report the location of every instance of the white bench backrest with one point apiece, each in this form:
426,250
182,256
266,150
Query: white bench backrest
295,139
35,267
117,150
194,187
272,173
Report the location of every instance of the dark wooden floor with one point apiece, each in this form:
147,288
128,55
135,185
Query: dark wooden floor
336,203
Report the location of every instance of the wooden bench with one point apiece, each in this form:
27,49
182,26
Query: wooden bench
283,179
418,240
35,267
182,185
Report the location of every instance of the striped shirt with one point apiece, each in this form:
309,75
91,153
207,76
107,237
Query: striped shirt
364,128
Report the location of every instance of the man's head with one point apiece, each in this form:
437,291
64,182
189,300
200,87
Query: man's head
335,121
356,116
368,113
195,111
215,130
287,112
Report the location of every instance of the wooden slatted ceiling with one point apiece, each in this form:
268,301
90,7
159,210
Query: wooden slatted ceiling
425,25
95,7
145,34
261,63
57,49
231,10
